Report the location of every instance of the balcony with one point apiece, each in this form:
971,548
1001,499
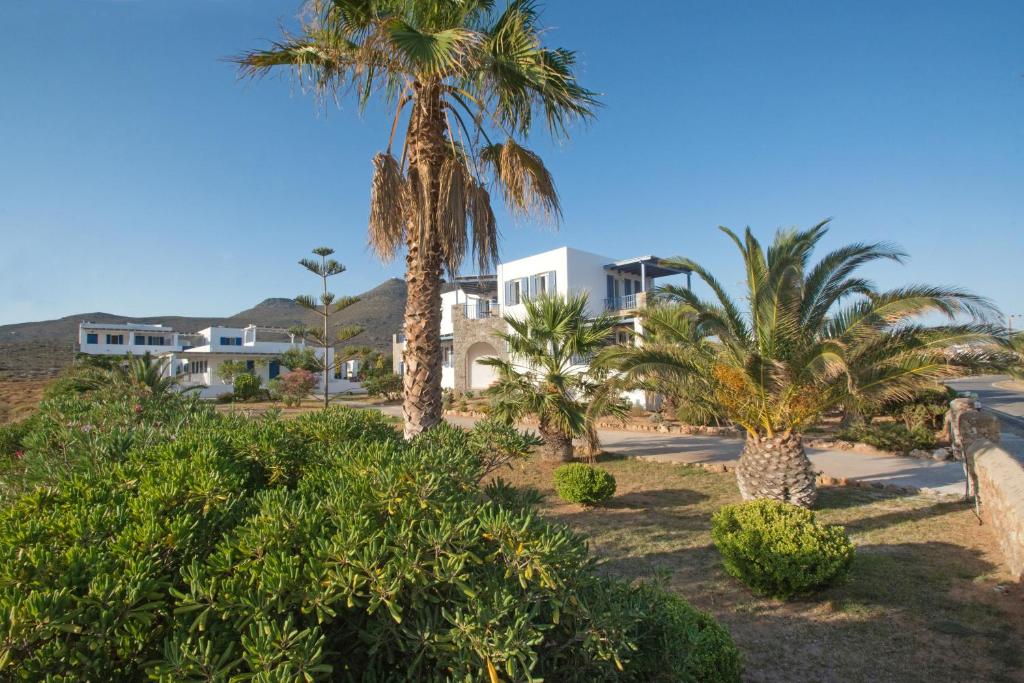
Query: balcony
480,310
629,302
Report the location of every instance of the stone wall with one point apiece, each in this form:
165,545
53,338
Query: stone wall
1000,480
997,478
469,331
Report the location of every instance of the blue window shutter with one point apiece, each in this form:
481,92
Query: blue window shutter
629,287
552,286
250,365
533,285
238,341
223,341
610,280
508,293
92,339
524,288
274,370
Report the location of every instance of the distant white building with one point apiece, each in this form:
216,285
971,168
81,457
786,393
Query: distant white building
472,307
196,358
118,339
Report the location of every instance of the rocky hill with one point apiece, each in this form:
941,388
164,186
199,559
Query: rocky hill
41,349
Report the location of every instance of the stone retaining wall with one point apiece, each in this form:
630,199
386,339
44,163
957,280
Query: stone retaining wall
1001,491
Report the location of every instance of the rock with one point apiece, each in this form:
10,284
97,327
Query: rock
918,453
941,454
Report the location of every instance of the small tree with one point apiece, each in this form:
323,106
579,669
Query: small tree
546,376
295,386
388,386
230,369
300,359
327,304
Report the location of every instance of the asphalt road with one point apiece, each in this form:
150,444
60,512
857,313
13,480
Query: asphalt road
1004,402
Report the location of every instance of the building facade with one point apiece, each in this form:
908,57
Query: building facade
196,359
472,307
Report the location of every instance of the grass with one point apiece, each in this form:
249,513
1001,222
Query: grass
927,597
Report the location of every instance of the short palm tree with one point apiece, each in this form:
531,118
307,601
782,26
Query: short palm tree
147,372
545,376
469,81
812,337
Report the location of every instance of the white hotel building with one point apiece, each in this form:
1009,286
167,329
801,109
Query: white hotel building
472,307
196,358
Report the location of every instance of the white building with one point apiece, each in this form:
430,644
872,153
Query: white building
472,307
118,339
196,358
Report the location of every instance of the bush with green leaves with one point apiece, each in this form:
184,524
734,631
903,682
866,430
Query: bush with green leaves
320,548
246,386
779,549
93,429
579,483
388,387
893,437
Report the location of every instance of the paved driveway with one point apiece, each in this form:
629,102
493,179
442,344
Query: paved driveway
998,397
945,478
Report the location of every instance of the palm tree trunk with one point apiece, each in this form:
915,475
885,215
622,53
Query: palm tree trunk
557,445
776,467
422,406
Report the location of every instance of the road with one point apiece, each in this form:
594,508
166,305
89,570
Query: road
946,478
996,395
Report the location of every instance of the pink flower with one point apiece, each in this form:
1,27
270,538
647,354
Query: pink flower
86,428
138,407
19,454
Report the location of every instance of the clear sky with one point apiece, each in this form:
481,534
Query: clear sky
138,176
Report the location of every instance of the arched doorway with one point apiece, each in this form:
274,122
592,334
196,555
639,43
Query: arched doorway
480,376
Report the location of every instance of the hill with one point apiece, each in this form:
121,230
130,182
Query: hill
41,349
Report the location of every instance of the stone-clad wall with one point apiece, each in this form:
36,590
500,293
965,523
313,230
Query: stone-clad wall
997,476
467,332
1001,489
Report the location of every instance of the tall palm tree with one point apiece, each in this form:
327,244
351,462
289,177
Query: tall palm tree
469,81
545,375
812,337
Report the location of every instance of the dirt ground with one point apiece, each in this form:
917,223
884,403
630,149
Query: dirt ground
927,599
19,397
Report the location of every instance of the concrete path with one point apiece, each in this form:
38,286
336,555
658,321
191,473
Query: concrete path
944,478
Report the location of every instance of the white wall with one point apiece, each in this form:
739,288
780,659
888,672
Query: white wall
554,260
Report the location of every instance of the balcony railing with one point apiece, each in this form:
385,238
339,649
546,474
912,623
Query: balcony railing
621,303
478,310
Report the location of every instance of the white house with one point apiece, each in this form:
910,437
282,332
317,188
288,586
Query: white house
472,307
259,347
118,339
196,358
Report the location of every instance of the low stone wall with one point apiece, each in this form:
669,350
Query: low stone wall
1000,480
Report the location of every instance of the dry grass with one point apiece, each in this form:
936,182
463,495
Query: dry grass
927,599
19,398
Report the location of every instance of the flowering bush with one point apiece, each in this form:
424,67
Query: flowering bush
296,385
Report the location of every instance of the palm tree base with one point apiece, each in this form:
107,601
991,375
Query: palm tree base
557,447
776,467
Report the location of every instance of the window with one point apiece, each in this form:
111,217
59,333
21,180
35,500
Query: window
154,341
448,357
197,366
92,338
514,295
140,339
230,341
115,339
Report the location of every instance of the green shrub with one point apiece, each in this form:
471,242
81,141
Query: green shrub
247,386
579,483
320,548
387,386
779,549
891,437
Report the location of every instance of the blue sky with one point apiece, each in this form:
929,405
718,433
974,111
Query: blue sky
139,176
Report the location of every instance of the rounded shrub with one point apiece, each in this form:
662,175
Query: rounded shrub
246,386
579,483
779,549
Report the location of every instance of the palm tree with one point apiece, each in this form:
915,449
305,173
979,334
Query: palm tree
545,376
324,307
800,348
147,372
469,81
